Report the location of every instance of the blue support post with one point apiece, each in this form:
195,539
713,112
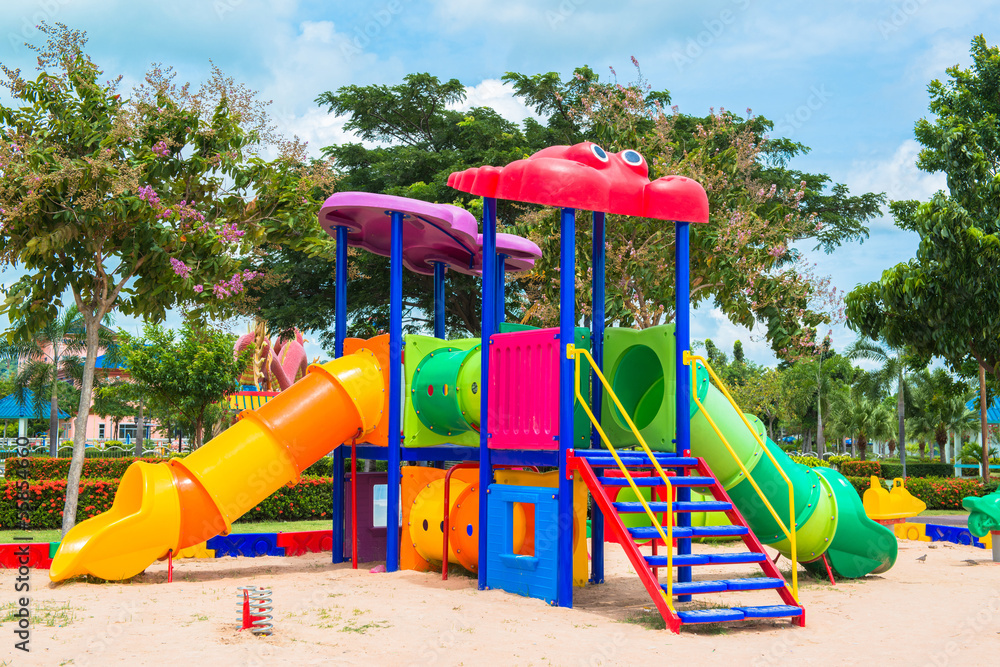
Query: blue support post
567,372
596,388
488,328
340,332
501,297
439,328
682,343
395,409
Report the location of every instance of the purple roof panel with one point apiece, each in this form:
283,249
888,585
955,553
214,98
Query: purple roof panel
431,232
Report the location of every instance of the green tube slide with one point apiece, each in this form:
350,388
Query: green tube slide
829,516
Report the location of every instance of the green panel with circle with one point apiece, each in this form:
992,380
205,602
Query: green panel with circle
639,366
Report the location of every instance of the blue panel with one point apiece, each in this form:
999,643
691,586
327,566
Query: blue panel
598,310
531,576
439,327
337,506
246,544
488,328
710,615
771,611
395,384
754,583
567,398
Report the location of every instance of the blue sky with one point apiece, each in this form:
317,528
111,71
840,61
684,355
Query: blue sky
847,78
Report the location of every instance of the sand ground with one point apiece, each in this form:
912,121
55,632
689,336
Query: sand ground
944,610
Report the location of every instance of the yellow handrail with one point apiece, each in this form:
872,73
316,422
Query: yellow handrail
572,352
693,361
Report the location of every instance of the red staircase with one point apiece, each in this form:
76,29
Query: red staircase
693,473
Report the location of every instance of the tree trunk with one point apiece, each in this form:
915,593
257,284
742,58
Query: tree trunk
863,448
54,418
923,448
901,412
892,447
140,430
984,425
92,324
820,439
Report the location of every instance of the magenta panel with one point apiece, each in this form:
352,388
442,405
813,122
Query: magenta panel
524,390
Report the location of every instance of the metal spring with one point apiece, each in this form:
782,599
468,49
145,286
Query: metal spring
260,608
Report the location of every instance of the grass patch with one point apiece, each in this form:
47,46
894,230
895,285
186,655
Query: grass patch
48,613
362,629
944,513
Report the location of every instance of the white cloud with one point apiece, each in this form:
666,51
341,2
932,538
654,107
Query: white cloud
897,175
498,95
711,322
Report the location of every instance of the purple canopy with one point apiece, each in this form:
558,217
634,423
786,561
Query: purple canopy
431,232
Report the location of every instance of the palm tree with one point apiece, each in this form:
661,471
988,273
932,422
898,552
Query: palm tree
48,362
863,419
892,371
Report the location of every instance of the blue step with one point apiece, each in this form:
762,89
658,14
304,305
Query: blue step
647,532
685,506
663,458
680,560
723,585
708,559
710,615
754,583
771,611
692,587
656,481
641,460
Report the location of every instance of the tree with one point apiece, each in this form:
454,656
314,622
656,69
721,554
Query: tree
892,372
49,363
190,374
943,302
137,204
744,259
762,395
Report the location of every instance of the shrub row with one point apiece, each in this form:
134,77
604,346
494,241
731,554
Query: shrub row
810,461
917,469
44,467
939,493
860,468
309,499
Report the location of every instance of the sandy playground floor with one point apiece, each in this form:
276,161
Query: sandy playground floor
944,610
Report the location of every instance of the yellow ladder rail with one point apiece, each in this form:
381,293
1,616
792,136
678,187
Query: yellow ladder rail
572,352
693,361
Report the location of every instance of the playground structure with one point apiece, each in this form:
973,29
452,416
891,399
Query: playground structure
984,519
609,410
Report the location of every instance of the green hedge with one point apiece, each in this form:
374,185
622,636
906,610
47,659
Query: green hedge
917,469
940,493
309,499
810,461
861,468
42,468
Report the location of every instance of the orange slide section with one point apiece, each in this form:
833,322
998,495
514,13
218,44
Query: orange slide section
174,505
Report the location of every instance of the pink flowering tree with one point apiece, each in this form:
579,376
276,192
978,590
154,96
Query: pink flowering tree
138,204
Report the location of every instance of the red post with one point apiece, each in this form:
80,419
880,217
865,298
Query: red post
170,566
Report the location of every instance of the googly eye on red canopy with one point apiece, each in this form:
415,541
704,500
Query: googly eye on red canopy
632,157
599,152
